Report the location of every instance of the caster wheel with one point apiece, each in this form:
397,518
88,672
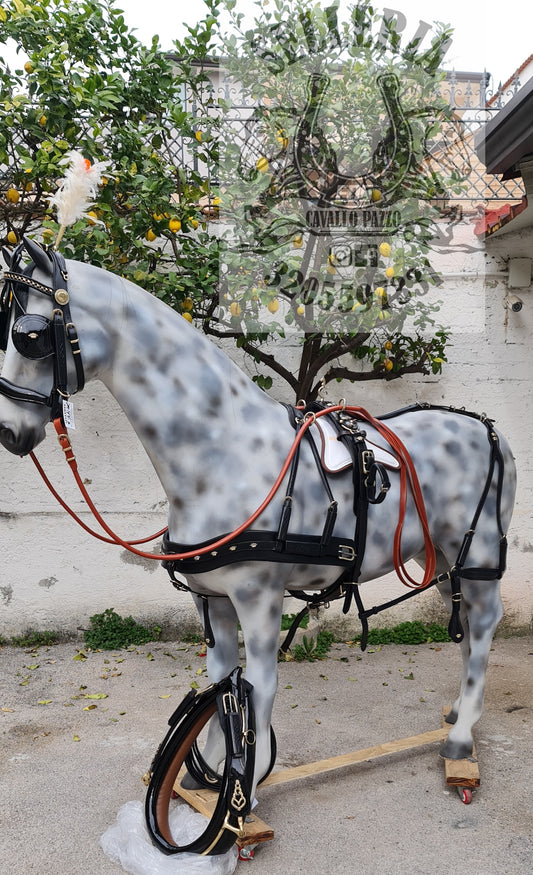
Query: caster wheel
466,795
246,854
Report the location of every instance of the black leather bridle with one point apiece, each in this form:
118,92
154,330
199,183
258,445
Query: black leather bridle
33,335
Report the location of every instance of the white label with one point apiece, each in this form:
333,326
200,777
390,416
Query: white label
68,414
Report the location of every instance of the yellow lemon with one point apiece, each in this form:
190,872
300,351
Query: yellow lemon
235,308
150,236
12,238
187,304
389,272
385,249
376,195
387,345
92,217
198,135
174,225
12,196
194,223
380,292
187,316
158,217
300,309
388,365
262,165
28,66
273,306
42,121
297,241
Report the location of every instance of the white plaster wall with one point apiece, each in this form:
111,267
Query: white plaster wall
55,576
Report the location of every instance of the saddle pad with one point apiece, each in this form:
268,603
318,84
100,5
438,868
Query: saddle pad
335,455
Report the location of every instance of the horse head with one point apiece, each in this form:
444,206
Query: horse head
40,344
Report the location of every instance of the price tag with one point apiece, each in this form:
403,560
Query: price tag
68,414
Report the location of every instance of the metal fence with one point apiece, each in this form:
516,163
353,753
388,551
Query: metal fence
472,102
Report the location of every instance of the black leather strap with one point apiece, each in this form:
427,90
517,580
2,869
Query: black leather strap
255,545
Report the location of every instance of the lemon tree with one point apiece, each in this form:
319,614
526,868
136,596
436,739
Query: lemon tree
330,194
226,224
82,80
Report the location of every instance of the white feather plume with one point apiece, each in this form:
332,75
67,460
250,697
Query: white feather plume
77,191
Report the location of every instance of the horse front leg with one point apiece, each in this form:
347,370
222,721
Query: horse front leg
484,611
259,608
221,659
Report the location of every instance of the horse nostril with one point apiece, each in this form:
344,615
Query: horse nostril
7,438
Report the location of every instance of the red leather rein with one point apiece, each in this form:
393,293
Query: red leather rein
407,476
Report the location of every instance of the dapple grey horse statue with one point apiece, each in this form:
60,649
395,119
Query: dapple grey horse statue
218,442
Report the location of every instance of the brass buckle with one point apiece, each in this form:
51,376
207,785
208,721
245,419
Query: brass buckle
229,704
346,553
367,458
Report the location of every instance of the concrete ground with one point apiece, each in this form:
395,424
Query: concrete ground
70,761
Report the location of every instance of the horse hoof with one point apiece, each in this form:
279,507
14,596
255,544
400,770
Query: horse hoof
456,750
188,783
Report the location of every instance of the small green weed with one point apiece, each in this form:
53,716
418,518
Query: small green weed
310,650
414,632
110,631
32,639
190,637
288,619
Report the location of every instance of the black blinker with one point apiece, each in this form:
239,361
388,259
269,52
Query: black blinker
32,336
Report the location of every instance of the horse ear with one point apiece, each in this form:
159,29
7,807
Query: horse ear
38,255
7,254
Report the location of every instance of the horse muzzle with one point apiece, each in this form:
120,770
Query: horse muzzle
23,442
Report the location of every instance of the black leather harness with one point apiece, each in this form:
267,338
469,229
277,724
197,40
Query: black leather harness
61,329
326,549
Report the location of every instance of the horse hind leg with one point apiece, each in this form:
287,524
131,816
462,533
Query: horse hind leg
482,613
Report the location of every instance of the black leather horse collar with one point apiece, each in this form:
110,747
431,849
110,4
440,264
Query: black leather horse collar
232,699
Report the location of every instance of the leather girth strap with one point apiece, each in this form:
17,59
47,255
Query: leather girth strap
231,699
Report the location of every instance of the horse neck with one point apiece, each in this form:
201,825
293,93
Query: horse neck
192,408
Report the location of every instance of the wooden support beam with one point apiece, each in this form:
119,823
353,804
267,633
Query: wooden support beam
358,756
256,830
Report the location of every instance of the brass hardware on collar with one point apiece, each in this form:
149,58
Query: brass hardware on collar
62,296
240,832
229,703
238,799
249,737
146,778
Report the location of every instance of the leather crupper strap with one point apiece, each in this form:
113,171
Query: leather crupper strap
458,570
64,333
231,699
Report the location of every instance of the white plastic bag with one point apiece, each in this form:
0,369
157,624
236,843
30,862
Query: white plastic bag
128,842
